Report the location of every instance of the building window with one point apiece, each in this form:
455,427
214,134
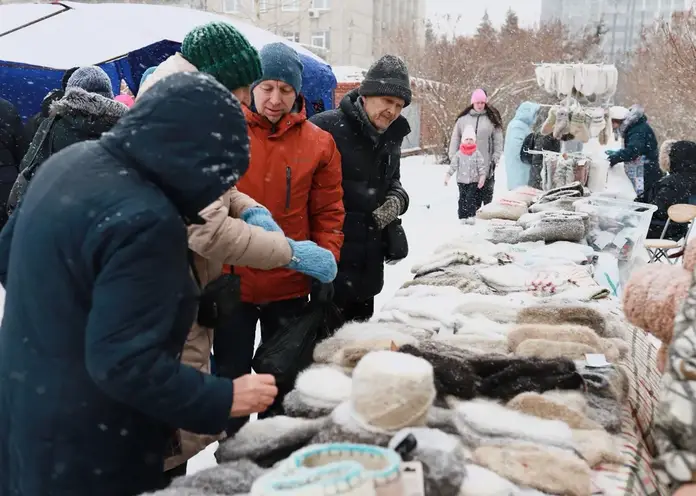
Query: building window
320,39
290,5
263,6
291,36
231,6
321,4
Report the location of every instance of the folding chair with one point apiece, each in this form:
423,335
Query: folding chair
659,249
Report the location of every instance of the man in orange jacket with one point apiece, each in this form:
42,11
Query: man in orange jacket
295,172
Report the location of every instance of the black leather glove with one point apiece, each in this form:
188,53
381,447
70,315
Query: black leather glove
322,292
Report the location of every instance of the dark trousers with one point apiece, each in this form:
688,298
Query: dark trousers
172,474
484,196
358,311
468,197
233,345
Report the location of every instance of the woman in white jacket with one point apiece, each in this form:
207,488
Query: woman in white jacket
488,126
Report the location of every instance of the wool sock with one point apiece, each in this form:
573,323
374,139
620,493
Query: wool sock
550,122
562,124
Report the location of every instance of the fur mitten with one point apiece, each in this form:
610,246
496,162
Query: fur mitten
226,478
579,126
562,124
553,472
267,441
550,122
654,294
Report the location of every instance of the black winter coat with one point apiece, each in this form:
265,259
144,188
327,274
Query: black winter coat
100,298
78,116
11,151
679,159
33,123
537,142
371,172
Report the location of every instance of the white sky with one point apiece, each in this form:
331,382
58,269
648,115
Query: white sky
472,11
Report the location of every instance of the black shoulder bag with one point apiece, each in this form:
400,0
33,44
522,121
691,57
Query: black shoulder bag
218,299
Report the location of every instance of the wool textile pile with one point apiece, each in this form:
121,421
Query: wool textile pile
477,370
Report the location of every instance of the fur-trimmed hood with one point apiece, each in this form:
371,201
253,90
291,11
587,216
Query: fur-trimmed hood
636,115
678,157
81,104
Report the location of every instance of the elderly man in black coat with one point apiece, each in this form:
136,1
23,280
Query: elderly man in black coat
369,129
100,299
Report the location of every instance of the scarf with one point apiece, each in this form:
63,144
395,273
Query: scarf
467,149
374,133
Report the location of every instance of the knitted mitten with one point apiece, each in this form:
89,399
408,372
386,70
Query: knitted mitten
388,212
654,294
260,217
579,126
313,260
597,123
550,122
562,124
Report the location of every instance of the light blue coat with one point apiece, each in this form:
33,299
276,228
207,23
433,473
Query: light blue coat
518,129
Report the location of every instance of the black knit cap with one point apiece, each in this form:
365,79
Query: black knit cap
387,77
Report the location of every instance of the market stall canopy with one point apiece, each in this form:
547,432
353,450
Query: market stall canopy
40,41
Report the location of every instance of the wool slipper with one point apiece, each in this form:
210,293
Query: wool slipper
482,422
545,348
553,472
579,315
226,478
598,446
442,455
269,440
576,186
553,228
544,407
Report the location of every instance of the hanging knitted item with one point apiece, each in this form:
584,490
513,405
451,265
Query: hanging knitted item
562,124
550,122
597,122
579,126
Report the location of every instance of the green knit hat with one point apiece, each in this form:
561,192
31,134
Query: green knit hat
218,49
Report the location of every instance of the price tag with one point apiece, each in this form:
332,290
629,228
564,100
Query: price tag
413,480
596,360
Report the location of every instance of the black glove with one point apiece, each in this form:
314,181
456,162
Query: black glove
321,292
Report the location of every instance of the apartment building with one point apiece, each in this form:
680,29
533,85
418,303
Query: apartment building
624,20
343,32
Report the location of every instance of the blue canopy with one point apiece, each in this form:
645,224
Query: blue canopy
27,75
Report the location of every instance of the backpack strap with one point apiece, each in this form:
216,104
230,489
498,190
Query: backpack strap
40,147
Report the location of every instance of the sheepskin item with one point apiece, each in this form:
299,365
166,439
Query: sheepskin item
344,426
226,478
551,472
482,423
480,481
505,378
563,333
443,458
380,467
269,440
502,209
555,226
597,446
462,255
545,407
478,344
393,390
452,374
556,314
318,390
442,419
607,389
548,349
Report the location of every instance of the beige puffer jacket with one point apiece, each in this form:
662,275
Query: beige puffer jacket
223,239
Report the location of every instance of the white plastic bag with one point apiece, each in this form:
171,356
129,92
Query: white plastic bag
618,184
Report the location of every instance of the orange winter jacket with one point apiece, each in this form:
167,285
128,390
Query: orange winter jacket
295,172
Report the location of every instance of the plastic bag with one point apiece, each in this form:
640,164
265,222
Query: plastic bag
290,349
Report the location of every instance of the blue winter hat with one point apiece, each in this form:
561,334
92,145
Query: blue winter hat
148,72
279,62
92,79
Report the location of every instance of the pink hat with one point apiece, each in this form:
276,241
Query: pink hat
479,96
127,100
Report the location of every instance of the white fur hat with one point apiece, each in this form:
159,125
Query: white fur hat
392,390
468,133
618,113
